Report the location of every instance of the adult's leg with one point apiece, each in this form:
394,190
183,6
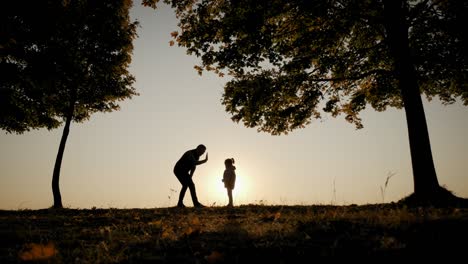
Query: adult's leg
193,192
180,203
183,179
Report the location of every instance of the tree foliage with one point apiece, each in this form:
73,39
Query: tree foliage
294,60
62,61
291,61
62,56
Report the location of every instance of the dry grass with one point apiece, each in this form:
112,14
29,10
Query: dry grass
275,234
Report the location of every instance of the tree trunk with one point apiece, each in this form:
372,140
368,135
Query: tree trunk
58,160
425,180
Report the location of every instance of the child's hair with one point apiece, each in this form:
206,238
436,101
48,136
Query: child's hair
229,161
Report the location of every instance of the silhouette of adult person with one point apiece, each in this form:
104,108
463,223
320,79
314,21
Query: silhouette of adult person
184,170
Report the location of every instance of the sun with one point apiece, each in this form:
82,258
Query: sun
216,193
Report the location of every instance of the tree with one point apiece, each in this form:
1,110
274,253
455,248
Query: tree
62,61
289,59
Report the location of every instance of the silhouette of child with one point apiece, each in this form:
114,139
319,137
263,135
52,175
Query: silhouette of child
229,178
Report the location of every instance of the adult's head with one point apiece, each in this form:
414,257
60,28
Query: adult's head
201,149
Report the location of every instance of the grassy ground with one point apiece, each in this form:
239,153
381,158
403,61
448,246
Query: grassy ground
253,233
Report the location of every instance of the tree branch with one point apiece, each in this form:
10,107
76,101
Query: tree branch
355,77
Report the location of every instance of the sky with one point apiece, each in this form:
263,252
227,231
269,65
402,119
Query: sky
124,159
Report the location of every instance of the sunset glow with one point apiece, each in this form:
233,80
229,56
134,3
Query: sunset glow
125,158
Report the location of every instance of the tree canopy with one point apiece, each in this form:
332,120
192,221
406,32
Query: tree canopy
289,60
62,61
294,60
55,54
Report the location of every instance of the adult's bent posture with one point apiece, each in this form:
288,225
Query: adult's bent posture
184,170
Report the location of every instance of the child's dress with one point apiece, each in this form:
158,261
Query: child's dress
229,178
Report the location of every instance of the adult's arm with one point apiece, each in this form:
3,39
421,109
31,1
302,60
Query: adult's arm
202,161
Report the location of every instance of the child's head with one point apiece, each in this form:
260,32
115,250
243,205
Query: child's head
229,162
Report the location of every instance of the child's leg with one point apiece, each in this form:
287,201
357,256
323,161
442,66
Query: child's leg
229,191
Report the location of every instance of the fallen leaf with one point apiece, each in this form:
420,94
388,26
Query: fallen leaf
188,231
277,216
195,221
35,251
